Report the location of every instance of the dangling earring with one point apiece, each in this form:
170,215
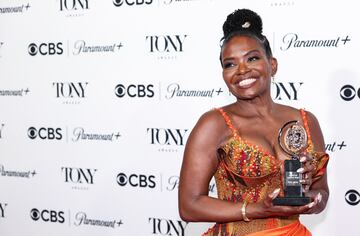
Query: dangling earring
273,79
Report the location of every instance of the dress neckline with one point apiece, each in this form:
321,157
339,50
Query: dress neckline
236,135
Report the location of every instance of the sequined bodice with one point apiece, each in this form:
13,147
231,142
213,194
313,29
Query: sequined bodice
246,172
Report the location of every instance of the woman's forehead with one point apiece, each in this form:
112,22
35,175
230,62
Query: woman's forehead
242,43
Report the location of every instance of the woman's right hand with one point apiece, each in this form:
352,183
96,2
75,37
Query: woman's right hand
267,209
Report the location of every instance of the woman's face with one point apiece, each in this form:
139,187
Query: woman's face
247,70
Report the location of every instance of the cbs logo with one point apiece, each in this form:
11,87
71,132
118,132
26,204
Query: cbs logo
133,90
119,3
348,92
45,49
135,180
47,215
352,197
45,133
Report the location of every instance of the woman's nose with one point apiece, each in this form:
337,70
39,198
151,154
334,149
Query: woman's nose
243,68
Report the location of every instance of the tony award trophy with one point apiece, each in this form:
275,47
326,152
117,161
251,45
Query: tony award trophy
292,139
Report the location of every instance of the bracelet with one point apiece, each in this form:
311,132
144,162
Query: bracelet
243,212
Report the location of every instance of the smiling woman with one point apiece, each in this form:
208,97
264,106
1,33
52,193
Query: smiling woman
237,145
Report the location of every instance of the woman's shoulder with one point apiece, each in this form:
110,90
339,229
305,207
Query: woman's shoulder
295,112
214,117
311,123
212,123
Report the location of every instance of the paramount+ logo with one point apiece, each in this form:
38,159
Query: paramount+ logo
45,49
46,215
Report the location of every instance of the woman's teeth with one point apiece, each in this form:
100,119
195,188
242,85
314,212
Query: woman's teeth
246,82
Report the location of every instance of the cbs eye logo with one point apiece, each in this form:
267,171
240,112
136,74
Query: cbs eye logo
135,90
35,214
47,215
118,3
45,49
348,92
136,180
45,133
352,197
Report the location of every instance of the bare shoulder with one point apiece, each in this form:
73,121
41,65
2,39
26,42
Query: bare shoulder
288,112
211,126
286,108
314,126
315,131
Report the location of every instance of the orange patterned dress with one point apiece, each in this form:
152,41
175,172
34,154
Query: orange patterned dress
248,173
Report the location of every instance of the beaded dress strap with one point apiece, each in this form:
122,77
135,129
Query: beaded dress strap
228,121
305,121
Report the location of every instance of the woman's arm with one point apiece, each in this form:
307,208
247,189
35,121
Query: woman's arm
319,186
199,165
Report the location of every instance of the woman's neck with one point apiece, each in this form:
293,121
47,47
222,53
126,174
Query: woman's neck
260,107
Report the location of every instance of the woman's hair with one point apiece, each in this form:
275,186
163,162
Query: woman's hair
245,22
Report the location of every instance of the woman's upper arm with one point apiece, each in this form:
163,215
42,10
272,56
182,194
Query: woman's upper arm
319,147
316,133
200,157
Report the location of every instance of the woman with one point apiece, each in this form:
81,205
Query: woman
237,144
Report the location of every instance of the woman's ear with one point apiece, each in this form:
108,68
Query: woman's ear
274,66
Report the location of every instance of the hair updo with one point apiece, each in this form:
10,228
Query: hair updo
245,22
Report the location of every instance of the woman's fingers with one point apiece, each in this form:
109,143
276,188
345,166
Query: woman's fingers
270,197
306,171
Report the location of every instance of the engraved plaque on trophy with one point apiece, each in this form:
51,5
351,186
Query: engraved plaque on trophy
292,139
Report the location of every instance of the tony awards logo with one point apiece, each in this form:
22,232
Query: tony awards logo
293,140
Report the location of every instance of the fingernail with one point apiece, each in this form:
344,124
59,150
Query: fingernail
275,193
319,197
310,205
302,159
300,170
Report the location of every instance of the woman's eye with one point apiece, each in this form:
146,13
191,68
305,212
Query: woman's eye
255,58
228,65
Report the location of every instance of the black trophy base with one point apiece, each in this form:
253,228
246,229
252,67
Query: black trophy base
291,201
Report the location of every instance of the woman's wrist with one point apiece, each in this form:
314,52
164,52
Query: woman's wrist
243,212
254,211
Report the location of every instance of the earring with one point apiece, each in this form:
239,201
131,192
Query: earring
273,79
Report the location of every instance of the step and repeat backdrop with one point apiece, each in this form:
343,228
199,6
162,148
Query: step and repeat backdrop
97,100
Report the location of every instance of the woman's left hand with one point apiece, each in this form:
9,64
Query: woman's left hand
307,170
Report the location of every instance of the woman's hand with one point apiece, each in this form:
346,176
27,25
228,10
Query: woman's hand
307,170
267,209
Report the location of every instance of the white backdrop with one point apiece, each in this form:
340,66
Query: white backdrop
98,98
